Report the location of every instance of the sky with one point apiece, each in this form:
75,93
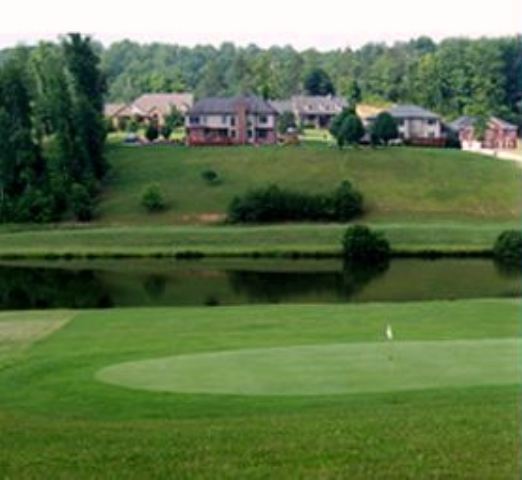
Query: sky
328,24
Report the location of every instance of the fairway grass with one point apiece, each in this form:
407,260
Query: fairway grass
59,421
18,331
328,370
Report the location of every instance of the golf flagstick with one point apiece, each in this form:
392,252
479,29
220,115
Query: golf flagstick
389,338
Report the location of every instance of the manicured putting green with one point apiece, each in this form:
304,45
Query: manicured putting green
327,369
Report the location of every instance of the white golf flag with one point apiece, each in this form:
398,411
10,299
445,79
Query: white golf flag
389,332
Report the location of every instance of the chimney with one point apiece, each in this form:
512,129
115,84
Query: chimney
242,125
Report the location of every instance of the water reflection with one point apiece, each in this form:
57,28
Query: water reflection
104,284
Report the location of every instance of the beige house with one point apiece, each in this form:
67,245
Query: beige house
416,125
150,107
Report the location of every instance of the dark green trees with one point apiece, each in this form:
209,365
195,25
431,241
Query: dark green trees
362,245
384,129
318,82
52,131
508,248
347,128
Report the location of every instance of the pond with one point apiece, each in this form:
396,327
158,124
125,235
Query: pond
169,282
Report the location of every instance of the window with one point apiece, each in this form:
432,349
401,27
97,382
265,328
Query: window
262,134
194,120
250,134
232,134
224,119
233,121
432,121
400,122
263,119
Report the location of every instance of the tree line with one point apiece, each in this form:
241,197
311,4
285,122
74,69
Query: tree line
454,77
52,131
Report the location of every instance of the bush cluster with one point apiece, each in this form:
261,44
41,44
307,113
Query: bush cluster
273,204
360,244
508,247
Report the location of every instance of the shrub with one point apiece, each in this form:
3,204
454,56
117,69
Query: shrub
347,202
274,204
360,244
151,133
166,131
286,121
508,247
210,176
384,129
81,203
153,199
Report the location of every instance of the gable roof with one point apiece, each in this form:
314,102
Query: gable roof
412,111
311,105
162,103
113,109
225,105
467,121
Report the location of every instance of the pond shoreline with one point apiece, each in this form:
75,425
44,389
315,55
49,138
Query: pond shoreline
247,254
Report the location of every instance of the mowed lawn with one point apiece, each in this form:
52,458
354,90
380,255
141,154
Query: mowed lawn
399,184
293,401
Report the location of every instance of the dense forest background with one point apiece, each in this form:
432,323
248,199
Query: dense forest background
453,77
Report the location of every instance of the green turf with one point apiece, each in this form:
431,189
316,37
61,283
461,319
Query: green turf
399,184
327,370
215,240
58,421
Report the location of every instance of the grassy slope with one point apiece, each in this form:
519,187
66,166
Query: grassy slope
422,198
57,421
400,184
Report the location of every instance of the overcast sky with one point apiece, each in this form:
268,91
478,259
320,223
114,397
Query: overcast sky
329,24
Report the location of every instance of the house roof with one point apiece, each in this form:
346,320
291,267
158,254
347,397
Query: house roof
469,121
113,109
162,103
412,111
222,105
311,105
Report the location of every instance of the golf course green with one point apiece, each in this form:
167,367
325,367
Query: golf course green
327,370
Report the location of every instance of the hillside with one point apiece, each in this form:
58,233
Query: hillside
399,184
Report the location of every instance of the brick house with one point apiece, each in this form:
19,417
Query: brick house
239,120
499,134
312,111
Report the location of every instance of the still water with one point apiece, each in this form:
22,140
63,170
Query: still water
165,282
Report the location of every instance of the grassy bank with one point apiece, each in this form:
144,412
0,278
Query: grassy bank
60,418
447,238
399,184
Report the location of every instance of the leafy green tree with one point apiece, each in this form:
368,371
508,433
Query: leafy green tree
174,119
153,198
81,203
318,82
508,248
347,128
384,128
363,245
151,132
354,95
166,131
286,121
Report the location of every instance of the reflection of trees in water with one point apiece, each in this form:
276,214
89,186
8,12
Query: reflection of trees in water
22,288
155,286
508,269
275,287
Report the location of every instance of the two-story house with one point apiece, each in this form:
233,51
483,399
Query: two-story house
312,111
416,125
239,120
